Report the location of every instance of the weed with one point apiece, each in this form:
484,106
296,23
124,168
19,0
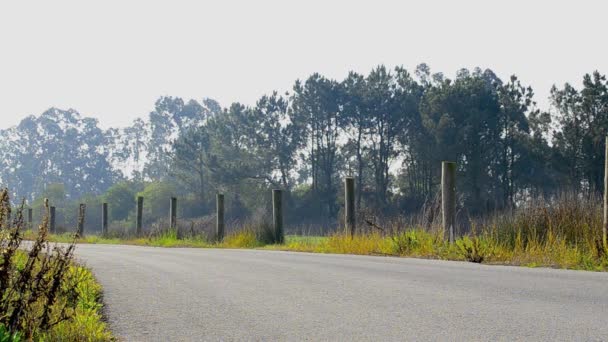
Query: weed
40,293
471,249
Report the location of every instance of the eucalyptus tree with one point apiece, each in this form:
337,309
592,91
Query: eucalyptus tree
129,147
59,146
170,117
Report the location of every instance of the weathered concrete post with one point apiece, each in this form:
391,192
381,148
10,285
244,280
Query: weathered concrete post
104,219
173,213
140,214
219,226
30,218
277,215
52,216
605,228
349,206
448,197
81,213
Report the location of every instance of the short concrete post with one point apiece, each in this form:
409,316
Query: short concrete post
349,206
30,218
140,214
448,197
605,228
81,214
104,219
219,226
52,218
173,213
277,215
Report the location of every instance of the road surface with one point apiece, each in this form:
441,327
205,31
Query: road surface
156,294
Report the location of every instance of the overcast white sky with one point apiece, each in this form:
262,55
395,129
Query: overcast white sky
113,59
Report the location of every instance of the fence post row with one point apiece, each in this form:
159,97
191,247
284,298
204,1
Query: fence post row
605,227
349,206
104,218
30,218
448,208
448,197
277,215
81,215
139,216
219,224
52,219
173,213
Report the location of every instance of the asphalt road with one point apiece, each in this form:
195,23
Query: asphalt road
155,294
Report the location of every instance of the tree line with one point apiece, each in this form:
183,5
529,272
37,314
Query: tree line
389,128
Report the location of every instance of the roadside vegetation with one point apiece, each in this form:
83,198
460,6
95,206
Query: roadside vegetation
45,295
563,233
389,128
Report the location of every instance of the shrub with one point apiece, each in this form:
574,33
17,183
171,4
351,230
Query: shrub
471,249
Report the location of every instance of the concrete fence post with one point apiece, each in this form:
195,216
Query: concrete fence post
104,219
448,197
173,213
219,226
605,227
349,206
140,214
277,215
52,220
81,215
30,218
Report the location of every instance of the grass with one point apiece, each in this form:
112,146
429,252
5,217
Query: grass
86,323
556,252
564,232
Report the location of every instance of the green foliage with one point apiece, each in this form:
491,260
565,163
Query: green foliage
414,242
7,336
156,200
120,199
316,105
583,119
472,249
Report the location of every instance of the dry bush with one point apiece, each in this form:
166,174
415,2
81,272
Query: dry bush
202,227
258,226
571,217
37,293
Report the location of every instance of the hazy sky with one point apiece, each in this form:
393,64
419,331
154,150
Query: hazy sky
113,59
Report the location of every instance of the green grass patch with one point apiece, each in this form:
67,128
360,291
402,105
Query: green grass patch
86,324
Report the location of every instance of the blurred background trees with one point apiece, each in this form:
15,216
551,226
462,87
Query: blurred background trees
389,128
